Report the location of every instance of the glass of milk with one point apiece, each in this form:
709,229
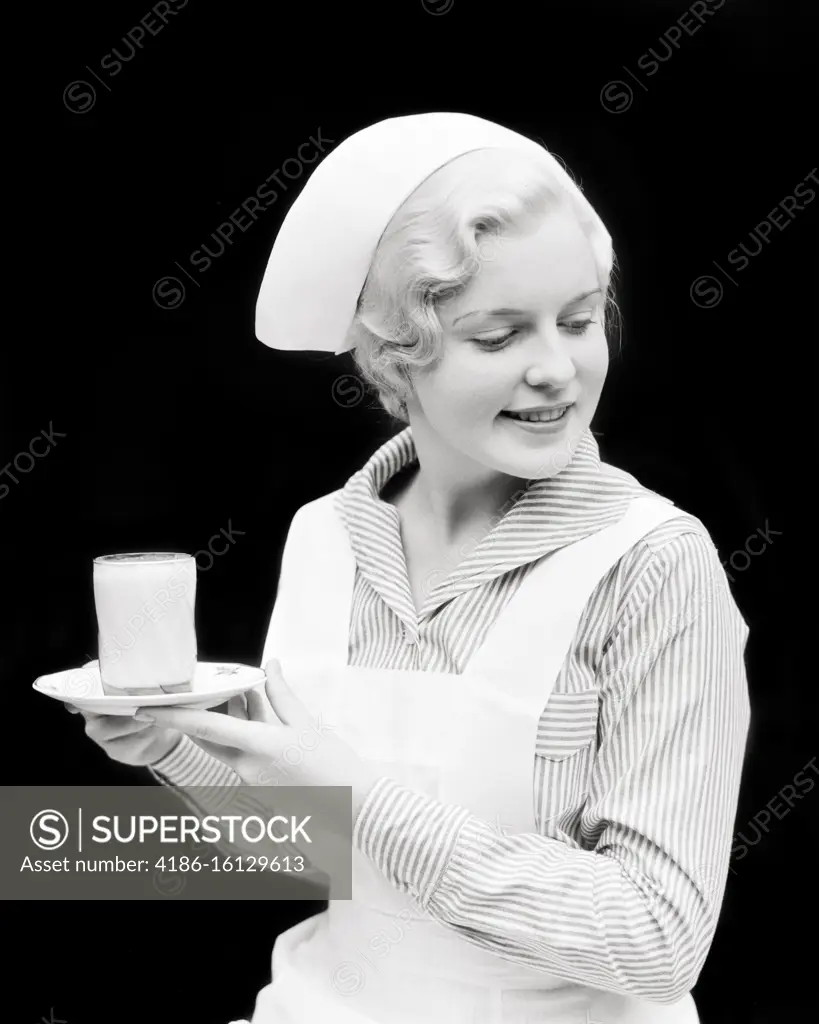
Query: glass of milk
145,618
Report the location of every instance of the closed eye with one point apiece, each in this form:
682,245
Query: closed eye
578,327
496,341
492,343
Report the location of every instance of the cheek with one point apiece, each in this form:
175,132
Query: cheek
463,387
592,362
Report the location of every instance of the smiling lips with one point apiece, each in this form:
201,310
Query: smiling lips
540,415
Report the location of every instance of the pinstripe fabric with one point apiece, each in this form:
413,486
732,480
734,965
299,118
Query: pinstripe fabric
184,767
638,754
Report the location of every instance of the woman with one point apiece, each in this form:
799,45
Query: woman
533,665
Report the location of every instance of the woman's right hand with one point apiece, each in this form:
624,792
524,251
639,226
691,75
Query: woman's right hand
126,740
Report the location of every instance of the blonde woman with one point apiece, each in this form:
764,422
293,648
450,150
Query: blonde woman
533,665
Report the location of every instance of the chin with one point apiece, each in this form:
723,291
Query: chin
536,457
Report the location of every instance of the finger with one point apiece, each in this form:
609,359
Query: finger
259,707
236,707
254,737
289,709
71,709
113,726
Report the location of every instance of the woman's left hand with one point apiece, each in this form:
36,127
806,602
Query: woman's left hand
261,747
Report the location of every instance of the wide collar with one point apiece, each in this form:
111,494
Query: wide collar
583,498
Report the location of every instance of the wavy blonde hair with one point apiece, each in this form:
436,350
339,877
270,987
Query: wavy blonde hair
434,246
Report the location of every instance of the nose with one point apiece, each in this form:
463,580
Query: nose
549,362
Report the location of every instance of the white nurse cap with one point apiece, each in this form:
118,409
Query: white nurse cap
324,248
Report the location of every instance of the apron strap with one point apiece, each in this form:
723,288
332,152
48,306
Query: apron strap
549,604
315,591
314,596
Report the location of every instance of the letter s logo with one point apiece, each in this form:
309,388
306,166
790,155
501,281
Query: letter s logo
48,830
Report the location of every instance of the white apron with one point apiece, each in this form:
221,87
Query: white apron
465,739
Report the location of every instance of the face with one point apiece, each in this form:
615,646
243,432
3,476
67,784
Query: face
523,343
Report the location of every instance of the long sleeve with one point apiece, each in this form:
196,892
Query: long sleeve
632,908
187,765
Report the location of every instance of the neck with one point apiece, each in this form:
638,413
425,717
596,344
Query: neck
456,496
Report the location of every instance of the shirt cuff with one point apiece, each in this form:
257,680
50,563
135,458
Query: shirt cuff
188,765
409,836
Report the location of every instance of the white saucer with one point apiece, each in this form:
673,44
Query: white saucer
213,683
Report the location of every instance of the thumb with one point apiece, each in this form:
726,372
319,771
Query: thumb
289,708
258,705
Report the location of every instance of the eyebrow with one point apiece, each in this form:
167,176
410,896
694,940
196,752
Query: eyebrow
517,312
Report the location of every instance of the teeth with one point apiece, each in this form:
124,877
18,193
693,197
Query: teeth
539,417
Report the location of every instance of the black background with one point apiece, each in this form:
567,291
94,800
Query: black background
179,423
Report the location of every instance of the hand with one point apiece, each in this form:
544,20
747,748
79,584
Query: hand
276,741
126,740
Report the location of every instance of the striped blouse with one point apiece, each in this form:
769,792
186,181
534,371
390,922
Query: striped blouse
639,749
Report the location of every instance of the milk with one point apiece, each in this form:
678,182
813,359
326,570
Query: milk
145,618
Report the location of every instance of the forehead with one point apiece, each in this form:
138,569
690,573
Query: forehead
544,265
